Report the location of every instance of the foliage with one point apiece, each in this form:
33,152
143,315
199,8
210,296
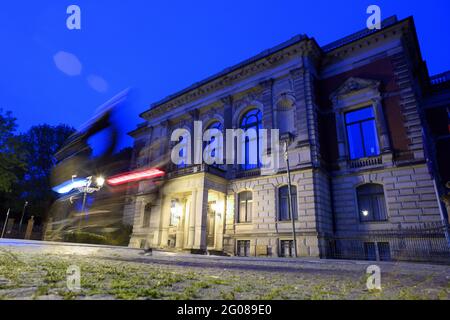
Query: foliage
41,142
12,162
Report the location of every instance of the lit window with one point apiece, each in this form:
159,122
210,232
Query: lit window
371,203
251,120
283,198
245,200
362,133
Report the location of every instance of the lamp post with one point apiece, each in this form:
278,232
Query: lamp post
23,214
6,222
85,190
286,157
99,182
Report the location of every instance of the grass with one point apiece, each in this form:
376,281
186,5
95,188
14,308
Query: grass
45,275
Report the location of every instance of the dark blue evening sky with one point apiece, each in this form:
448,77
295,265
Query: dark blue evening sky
160,47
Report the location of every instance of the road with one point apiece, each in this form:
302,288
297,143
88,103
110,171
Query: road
38,270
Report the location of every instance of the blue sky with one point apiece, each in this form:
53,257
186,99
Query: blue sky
160,47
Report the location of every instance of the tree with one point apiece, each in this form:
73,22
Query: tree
41,143
12,163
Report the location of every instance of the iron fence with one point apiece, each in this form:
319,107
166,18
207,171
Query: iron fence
13,232
425,243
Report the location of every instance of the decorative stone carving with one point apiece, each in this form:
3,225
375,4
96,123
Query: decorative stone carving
354,84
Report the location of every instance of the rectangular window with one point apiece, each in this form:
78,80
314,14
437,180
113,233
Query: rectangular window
362,133
371,203
283,198
245,199
286,248
384,251
243,248
370,251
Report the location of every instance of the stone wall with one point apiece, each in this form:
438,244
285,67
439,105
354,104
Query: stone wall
409,195
265,228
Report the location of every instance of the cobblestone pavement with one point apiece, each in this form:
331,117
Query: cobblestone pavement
38,270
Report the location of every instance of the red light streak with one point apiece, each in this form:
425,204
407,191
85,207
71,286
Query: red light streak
135,176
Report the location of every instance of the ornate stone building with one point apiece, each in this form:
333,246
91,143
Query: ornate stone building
357,155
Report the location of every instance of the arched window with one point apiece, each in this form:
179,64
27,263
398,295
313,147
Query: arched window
251,120
215,125
371,203
283,200
245,200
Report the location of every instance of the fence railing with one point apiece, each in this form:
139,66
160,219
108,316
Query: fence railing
365,162
427,243
12,232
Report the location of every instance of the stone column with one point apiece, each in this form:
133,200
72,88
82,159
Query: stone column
342,146
191,232
301,120
165,134
157,214
267,100
228,124
383,133
180,228
148,144
165,212
201,209
221,222
305,112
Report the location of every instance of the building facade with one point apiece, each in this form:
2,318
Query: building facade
357,153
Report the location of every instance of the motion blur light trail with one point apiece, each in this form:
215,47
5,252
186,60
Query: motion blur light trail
134,176
69,185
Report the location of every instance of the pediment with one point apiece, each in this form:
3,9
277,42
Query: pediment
353,85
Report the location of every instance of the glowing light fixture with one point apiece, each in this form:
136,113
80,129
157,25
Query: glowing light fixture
100,181
134,176
365,213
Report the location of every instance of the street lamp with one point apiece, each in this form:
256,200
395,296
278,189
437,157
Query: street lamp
87,188
23,214
287,139
100,181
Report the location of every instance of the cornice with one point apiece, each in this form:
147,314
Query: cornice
305,47
402,27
